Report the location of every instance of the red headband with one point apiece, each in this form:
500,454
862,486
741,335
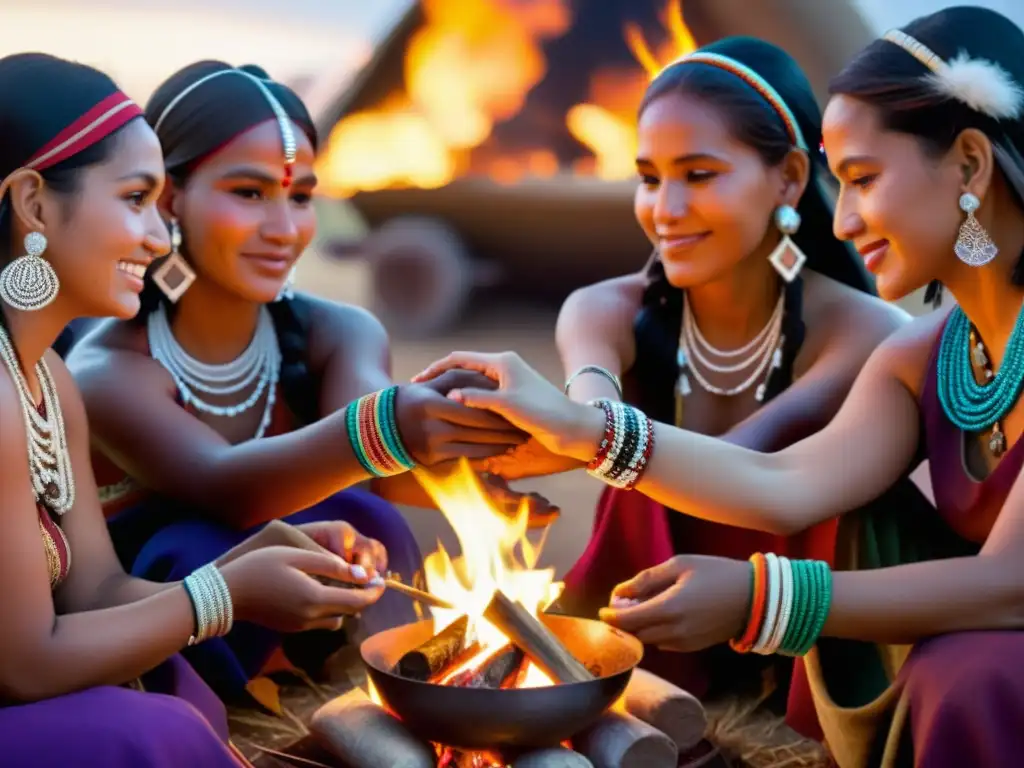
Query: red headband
95,125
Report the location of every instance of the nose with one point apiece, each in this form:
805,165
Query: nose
279,227
672,199
158,239
846,221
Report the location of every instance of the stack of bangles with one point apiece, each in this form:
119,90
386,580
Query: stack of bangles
626,446
789,604
373,434
211,603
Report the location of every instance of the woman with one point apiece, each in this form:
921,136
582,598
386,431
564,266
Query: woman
80,174
912,646
222,353
719,335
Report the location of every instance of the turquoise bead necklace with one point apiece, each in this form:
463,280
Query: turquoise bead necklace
971,406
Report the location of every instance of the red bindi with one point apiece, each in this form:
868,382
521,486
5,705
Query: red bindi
287,180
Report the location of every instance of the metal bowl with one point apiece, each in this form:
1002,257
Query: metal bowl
477,718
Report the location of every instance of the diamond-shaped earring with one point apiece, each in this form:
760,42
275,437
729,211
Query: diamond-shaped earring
787,258
174,276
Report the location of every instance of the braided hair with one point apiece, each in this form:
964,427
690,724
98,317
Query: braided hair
217,112
755,122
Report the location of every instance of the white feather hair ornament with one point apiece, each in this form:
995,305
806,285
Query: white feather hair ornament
982,85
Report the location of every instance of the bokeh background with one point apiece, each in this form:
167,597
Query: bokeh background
477,154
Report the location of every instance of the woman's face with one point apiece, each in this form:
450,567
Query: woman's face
242,228
705,199
898,206
112,230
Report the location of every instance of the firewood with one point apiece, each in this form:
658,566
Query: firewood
538,642
494,672
673,711
436,655
360,732
619,740
558,757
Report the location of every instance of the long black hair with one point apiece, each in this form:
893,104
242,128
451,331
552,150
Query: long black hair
756,123
206,119
893,81
40,97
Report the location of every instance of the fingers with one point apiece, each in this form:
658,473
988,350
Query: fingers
666,635
650,582
458,379
371,555
470,451
454,412
487,364
333,601
660,609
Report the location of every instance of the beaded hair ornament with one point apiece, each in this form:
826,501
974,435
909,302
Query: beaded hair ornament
283,121
982,85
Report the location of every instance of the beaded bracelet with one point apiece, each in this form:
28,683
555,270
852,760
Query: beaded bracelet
791,600
211,603
626,445
373,434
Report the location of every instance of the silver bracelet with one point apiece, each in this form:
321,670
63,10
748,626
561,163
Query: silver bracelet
600,372
211,600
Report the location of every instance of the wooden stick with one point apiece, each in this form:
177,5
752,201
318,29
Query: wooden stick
418,594
436,654
558,757
363,734
673,711
496,669
618,740
537,641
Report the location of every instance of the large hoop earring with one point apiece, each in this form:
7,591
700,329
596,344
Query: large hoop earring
973,244
787,258
29,282
174,276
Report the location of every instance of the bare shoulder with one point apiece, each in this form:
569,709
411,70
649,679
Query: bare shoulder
906,352
336,326
113,361
613,297
836,308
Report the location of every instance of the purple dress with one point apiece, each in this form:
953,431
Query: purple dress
947,702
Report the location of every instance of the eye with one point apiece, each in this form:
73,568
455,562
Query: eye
697,177
864,181
248,193
137,198
648,180
302,198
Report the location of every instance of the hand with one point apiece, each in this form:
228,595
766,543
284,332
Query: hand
528,401
278,588
349,544
542,512
688,603
531,459
435,428
276,533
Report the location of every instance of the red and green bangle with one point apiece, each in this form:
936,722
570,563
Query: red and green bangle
373,434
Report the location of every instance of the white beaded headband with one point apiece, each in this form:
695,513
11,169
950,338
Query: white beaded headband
284,122
982,85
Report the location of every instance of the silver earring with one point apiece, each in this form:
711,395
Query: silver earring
787,258
29,282
174,276
288,288
973,245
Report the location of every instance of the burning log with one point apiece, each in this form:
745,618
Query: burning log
618,740
537,641
673,711
496,671
559,757
435,655
360,732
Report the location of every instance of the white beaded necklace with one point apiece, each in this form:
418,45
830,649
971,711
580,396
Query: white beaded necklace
260,362
53,480
764,349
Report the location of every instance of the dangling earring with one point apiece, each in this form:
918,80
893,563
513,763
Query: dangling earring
787,258
29,283
174,276
287,290
973,245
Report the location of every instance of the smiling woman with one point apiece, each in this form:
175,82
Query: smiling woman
230,401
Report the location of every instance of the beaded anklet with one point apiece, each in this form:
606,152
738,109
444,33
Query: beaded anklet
626,446
373,434
791,600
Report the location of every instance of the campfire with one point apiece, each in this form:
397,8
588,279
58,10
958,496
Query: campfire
469,69
497,680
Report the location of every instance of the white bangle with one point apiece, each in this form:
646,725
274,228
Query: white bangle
211,600
599,371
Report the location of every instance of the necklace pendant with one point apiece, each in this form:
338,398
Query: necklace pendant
684,385
997,442
980,358
759,394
